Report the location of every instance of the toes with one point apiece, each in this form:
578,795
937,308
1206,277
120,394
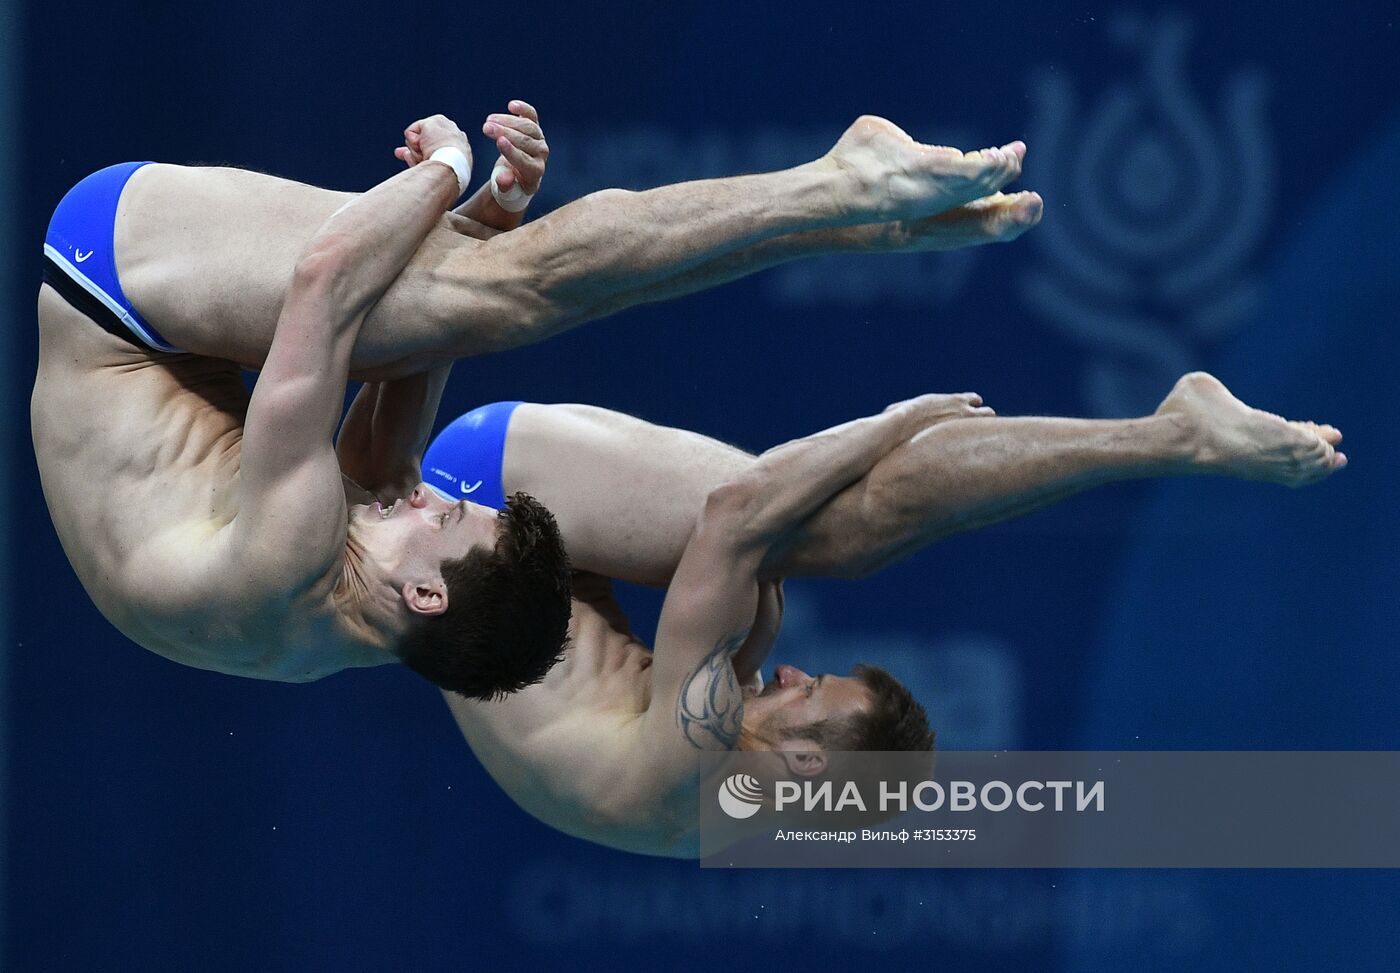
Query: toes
1008,216
1330,435
1020,217
1329,462
994,218
1013,155
1031,209
993,168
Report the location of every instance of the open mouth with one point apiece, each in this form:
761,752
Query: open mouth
385,511
768,689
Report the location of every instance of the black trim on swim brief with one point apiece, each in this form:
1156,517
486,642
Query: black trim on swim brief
77,296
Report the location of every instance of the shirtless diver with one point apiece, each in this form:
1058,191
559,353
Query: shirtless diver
612,745
226,538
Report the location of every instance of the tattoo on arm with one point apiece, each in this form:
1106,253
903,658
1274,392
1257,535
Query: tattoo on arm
710,709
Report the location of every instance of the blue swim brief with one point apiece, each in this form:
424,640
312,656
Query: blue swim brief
78,258
464,461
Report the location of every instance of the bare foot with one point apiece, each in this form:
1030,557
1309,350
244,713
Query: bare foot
1231,438
896,178
998,218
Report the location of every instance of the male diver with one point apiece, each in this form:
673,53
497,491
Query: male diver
225,536
225,539
611,744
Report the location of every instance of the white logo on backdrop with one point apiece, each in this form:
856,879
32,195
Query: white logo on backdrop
1154,208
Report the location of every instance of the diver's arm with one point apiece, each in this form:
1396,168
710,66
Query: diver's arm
711,607
291,515
386,432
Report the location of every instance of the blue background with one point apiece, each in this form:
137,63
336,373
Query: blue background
160,817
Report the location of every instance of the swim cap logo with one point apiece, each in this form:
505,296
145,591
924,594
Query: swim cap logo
740,796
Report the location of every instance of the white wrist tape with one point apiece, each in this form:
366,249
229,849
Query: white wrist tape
450,155
512,200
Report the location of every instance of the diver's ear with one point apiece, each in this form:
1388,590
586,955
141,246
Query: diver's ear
425,597
804,762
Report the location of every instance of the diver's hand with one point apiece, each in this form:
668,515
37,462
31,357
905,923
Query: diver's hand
427,135
522,144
